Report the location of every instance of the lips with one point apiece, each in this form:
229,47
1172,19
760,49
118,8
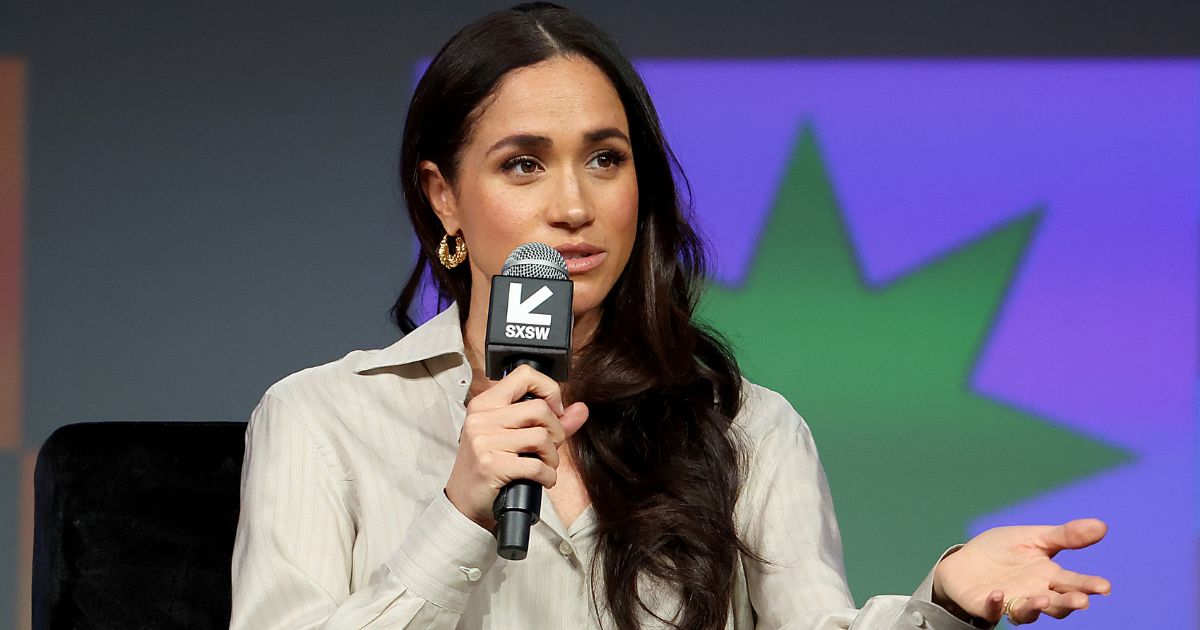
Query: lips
581,257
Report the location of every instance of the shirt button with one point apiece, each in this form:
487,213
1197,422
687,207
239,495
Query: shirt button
473,573
564,548
918,619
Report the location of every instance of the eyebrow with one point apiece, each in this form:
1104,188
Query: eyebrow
521,141
534,141
604,134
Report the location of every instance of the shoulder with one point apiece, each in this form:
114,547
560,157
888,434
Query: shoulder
765,415
769,433
321,385
345,397
778,456
329,406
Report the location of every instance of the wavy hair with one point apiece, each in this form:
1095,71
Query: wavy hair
658,456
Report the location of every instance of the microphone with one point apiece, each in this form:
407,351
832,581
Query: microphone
529,323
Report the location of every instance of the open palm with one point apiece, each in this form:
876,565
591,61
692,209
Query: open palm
1016,563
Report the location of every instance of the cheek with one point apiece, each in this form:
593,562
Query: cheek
494,221
624,218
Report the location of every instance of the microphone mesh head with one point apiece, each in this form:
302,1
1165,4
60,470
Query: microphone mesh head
535,260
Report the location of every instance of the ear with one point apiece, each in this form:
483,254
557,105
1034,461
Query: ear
440,194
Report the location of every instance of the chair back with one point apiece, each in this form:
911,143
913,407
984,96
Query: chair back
134,525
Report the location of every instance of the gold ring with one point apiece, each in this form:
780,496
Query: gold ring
1008,608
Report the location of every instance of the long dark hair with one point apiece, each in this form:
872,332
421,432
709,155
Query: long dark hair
658,456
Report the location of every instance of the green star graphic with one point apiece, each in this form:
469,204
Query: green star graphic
882,375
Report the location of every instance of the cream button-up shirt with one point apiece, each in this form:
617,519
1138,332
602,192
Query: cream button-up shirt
344,523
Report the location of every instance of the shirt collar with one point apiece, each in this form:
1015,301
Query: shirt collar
439,336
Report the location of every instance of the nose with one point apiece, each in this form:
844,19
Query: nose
570,209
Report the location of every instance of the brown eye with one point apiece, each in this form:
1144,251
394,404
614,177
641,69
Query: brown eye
605,160
523,165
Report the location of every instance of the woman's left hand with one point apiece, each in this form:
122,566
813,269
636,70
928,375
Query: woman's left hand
1015,562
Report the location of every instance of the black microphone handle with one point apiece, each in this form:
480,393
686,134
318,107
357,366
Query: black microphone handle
519,505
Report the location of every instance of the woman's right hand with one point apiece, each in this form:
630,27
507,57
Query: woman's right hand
499,427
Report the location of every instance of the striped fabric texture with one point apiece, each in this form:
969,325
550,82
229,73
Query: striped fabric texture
344,523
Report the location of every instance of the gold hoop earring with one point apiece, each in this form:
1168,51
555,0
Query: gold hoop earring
447,259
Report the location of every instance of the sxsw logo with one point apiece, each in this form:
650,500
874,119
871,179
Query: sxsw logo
523,323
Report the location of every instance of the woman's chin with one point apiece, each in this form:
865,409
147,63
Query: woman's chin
585,305
585,311
586,298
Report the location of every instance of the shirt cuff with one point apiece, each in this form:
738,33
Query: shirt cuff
924,614
443,556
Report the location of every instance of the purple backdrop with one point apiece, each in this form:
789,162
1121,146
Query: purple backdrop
1099,332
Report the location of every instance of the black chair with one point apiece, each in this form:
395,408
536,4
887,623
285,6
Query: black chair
134,525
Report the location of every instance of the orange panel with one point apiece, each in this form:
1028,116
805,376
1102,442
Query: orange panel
12,182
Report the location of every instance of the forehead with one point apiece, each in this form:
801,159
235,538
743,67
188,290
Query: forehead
563,95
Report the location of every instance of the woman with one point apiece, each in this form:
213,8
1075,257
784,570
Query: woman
679,494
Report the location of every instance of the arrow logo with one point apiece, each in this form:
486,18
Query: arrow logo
521,312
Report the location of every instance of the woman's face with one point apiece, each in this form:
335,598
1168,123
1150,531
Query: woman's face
549,159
